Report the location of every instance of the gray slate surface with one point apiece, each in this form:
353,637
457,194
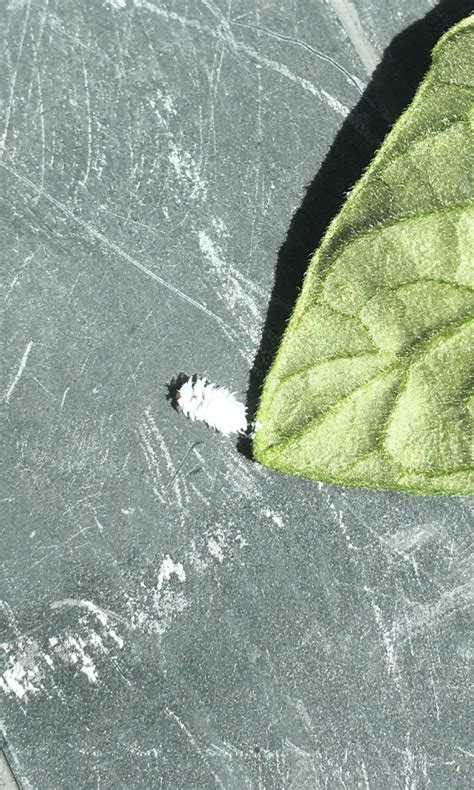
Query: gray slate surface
173,615
7,780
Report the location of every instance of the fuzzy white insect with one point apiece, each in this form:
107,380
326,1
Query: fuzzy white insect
200,400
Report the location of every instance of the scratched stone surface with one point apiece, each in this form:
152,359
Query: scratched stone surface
172,615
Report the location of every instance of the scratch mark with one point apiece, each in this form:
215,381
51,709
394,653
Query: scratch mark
302,711
343,527
200,495
17,276
169,462
464,751
60,546
306,46
336,105
19,372
100,526
63,398
183,461
43,137
388,643
151,459
39,383
82,604
203,463
238,293
224,32
194,743
214,79
13,82
96,234
130,219
365,775
432,675
83,181
347,14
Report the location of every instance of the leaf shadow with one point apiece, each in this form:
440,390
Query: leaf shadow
391,89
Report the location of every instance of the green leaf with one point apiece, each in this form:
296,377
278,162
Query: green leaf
373,382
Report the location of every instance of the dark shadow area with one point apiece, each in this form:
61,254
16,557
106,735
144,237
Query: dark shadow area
173,388
389,92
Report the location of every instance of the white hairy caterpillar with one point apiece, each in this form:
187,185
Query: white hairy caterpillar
216,406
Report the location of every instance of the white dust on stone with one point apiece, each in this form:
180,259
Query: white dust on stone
31,663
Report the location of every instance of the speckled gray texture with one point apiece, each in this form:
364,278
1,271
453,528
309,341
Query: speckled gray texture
173,615
7,780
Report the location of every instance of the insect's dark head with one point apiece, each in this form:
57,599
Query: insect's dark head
174,386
